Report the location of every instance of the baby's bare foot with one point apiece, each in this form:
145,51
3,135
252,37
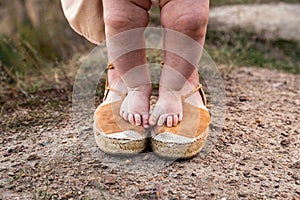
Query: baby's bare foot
168,109
135,107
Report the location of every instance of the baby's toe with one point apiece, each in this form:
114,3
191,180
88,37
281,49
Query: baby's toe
145,119
125,116
180,117
169,121
137,118
131,118
153,119
161,120
175,120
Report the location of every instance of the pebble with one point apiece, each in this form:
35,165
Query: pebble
110,180
242,194
258,120
19,189
10,187
285,134
297,165
67,195
243,98
247,174
44,144
285,142
11,174
128,161
145,158
10,150
33,157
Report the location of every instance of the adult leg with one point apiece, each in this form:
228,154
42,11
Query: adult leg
179,76
120,16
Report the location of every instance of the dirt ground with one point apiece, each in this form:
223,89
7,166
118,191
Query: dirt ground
257,156
271,21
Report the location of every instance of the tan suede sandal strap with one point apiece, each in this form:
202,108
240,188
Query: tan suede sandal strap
193,91
107,88
201,91
110,66
197,88
115,91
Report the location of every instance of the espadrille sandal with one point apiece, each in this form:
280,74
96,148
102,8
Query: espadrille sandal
113,134
187,138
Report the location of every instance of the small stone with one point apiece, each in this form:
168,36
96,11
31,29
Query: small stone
261,125
10,150
258,119
242,163
19,189
243,98
6,154
285,142
296,165
50,178
85,128
104,167
44,144
110,180
91,162
11,174
297,182
246,174
285,134
242,194
128,161
33,157
10,187
145,158
265,185
288,122
67,195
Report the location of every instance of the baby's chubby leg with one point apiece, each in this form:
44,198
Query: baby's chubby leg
179,75
128,54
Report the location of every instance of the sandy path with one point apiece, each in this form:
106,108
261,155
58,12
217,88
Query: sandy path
256,157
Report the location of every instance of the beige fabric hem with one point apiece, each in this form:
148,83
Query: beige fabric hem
86,18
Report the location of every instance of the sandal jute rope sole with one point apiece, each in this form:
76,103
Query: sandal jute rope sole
187,138
113,134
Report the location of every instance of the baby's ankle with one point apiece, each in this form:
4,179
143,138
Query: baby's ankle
144,88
